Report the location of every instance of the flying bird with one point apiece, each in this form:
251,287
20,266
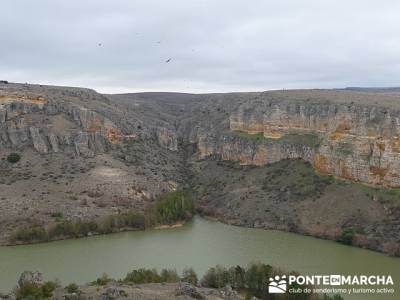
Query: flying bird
99,44
168,60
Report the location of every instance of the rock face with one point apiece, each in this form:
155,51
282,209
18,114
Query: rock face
50,124
356,141
34,277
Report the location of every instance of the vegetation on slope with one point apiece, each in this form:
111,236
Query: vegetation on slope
169,208
13,158
311,140
34,291
249,281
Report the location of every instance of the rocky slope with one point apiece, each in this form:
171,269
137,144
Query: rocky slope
87,155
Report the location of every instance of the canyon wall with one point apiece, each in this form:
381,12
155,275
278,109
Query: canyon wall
351,141
54,126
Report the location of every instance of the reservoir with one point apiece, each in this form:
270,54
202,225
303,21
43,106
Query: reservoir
199,244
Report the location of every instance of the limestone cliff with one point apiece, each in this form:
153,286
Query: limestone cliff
359,141
51,124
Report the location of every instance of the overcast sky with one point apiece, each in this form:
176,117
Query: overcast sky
213,45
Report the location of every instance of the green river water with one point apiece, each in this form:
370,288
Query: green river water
200,244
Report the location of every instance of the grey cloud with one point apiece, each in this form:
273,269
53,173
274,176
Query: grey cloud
213,45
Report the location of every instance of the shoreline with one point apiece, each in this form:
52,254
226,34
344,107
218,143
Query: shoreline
359,242
169,226
7,243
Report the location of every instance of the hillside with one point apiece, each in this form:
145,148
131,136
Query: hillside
254,159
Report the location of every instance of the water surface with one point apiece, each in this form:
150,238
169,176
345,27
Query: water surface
200,244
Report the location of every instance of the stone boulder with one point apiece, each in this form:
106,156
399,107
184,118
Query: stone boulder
33,277
187,289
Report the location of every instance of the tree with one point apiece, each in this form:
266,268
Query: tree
190,276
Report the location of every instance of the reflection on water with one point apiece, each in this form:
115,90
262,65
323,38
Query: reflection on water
200,244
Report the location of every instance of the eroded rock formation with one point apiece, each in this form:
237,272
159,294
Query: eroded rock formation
355,141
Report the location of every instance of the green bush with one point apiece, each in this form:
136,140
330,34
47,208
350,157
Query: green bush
48,289
171,208
252,280
103,280
34,291
13,158
114,223
72,288
57,215
347,236
169,275
31,234
77,228
143,276
190,276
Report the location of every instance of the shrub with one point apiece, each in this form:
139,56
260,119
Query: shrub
13,158
256,275
143,276
347,236
34,291
30,234
216,277
129,220
80,228
77,228
48,289
251,279
190,276
168,275
103,280
72,288
172,207
57,215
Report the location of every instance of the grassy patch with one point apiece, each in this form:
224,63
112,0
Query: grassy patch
309,139
295,180
383,195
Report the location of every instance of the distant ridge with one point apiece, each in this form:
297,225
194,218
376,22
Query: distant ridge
373,89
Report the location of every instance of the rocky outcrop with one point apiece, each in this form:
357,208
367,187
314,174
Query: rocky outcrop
166,138
249,151
352,141
31,277
54,126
